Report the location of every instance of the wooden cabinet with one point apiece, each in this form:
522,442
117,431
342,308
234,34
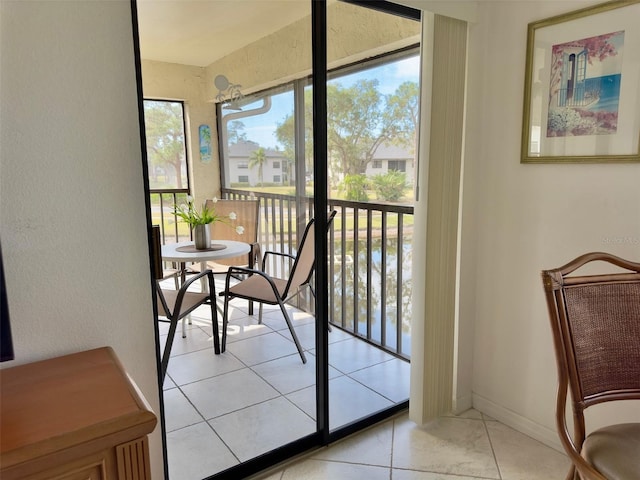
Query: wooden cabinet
76,417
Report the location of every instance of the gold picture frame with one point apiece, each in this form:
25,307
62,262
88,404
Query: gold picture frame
582,86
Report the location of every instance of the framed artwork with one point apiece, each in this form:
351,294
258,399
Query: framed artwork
204,134
582,86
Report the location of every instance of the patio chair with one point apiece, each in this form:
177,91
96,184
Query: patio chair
247,212
174,305
595,322
263,288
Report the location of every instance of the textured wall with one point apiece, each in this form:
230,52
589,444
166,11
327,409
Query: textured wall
171,81
72,205
354,33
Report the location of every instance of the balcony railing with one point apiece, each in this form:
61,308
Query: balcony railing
369,260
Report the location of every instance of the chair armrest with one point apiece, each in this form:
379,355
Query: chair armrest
279,254
177,307
586,470
195,277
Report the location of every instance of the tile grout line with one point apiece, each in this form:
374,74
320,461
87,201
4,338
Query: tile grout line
393,438
209,425
493,452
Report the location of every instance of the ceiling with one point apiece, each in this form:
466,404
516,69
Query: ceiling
200,32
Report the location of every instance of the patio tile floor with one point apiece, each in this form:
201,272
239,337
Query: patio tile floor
221,410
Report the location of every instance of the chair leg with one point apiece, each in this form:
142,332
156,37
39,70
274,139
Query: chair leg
260,313
214,324
167,347
225,321
293,332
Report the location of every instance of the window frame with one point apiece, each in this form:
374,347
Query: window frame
187,158
297,86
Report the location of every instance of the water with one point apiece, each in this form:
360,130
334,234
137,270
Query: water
346,293
609,87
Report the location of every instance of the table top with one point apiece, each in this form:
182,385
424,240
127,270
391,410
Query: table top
186,252
51,405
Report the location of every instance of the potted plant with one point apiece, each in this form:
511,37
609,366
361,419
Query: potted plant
199,221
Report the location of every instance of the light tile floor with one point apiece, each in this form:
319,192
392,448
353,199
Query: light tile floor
465,447
221,410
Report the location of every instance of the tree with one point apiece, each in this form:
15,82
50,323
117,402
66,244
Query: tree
354,125
403,115
257,159
235,132
165,136
359,120
285,133
286,138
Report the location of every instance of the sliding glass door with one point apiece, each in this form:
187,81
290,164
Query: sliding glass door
310,110
372,115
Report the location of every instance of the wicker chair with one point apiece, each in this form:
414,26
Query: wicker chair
595,321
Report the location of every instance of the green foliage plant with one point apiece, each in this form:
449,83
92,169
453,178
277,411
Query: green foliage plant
354,187
389,186
191,215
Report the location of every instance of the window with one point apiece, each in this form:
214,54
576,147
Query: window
398,165
372,114
256,139
166,152
167,165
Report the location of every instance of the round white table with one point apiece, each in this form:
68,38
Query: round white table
186,252
183,252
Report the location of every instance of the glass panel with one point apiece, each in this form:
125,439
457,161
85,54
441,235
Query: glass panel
230,414
166,149
372,115
258,150
168,166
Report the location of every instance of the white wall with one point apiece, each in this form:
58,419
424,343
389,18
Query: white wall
72,202
519,219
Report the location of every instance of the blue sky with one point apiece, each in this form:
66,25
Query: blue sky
261,129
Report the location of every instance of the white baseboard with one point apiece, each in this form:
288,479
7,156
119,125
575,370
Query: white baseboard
462,404
522,424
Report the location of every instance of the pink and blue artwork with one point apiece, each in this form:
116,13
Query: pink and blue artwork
584,88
